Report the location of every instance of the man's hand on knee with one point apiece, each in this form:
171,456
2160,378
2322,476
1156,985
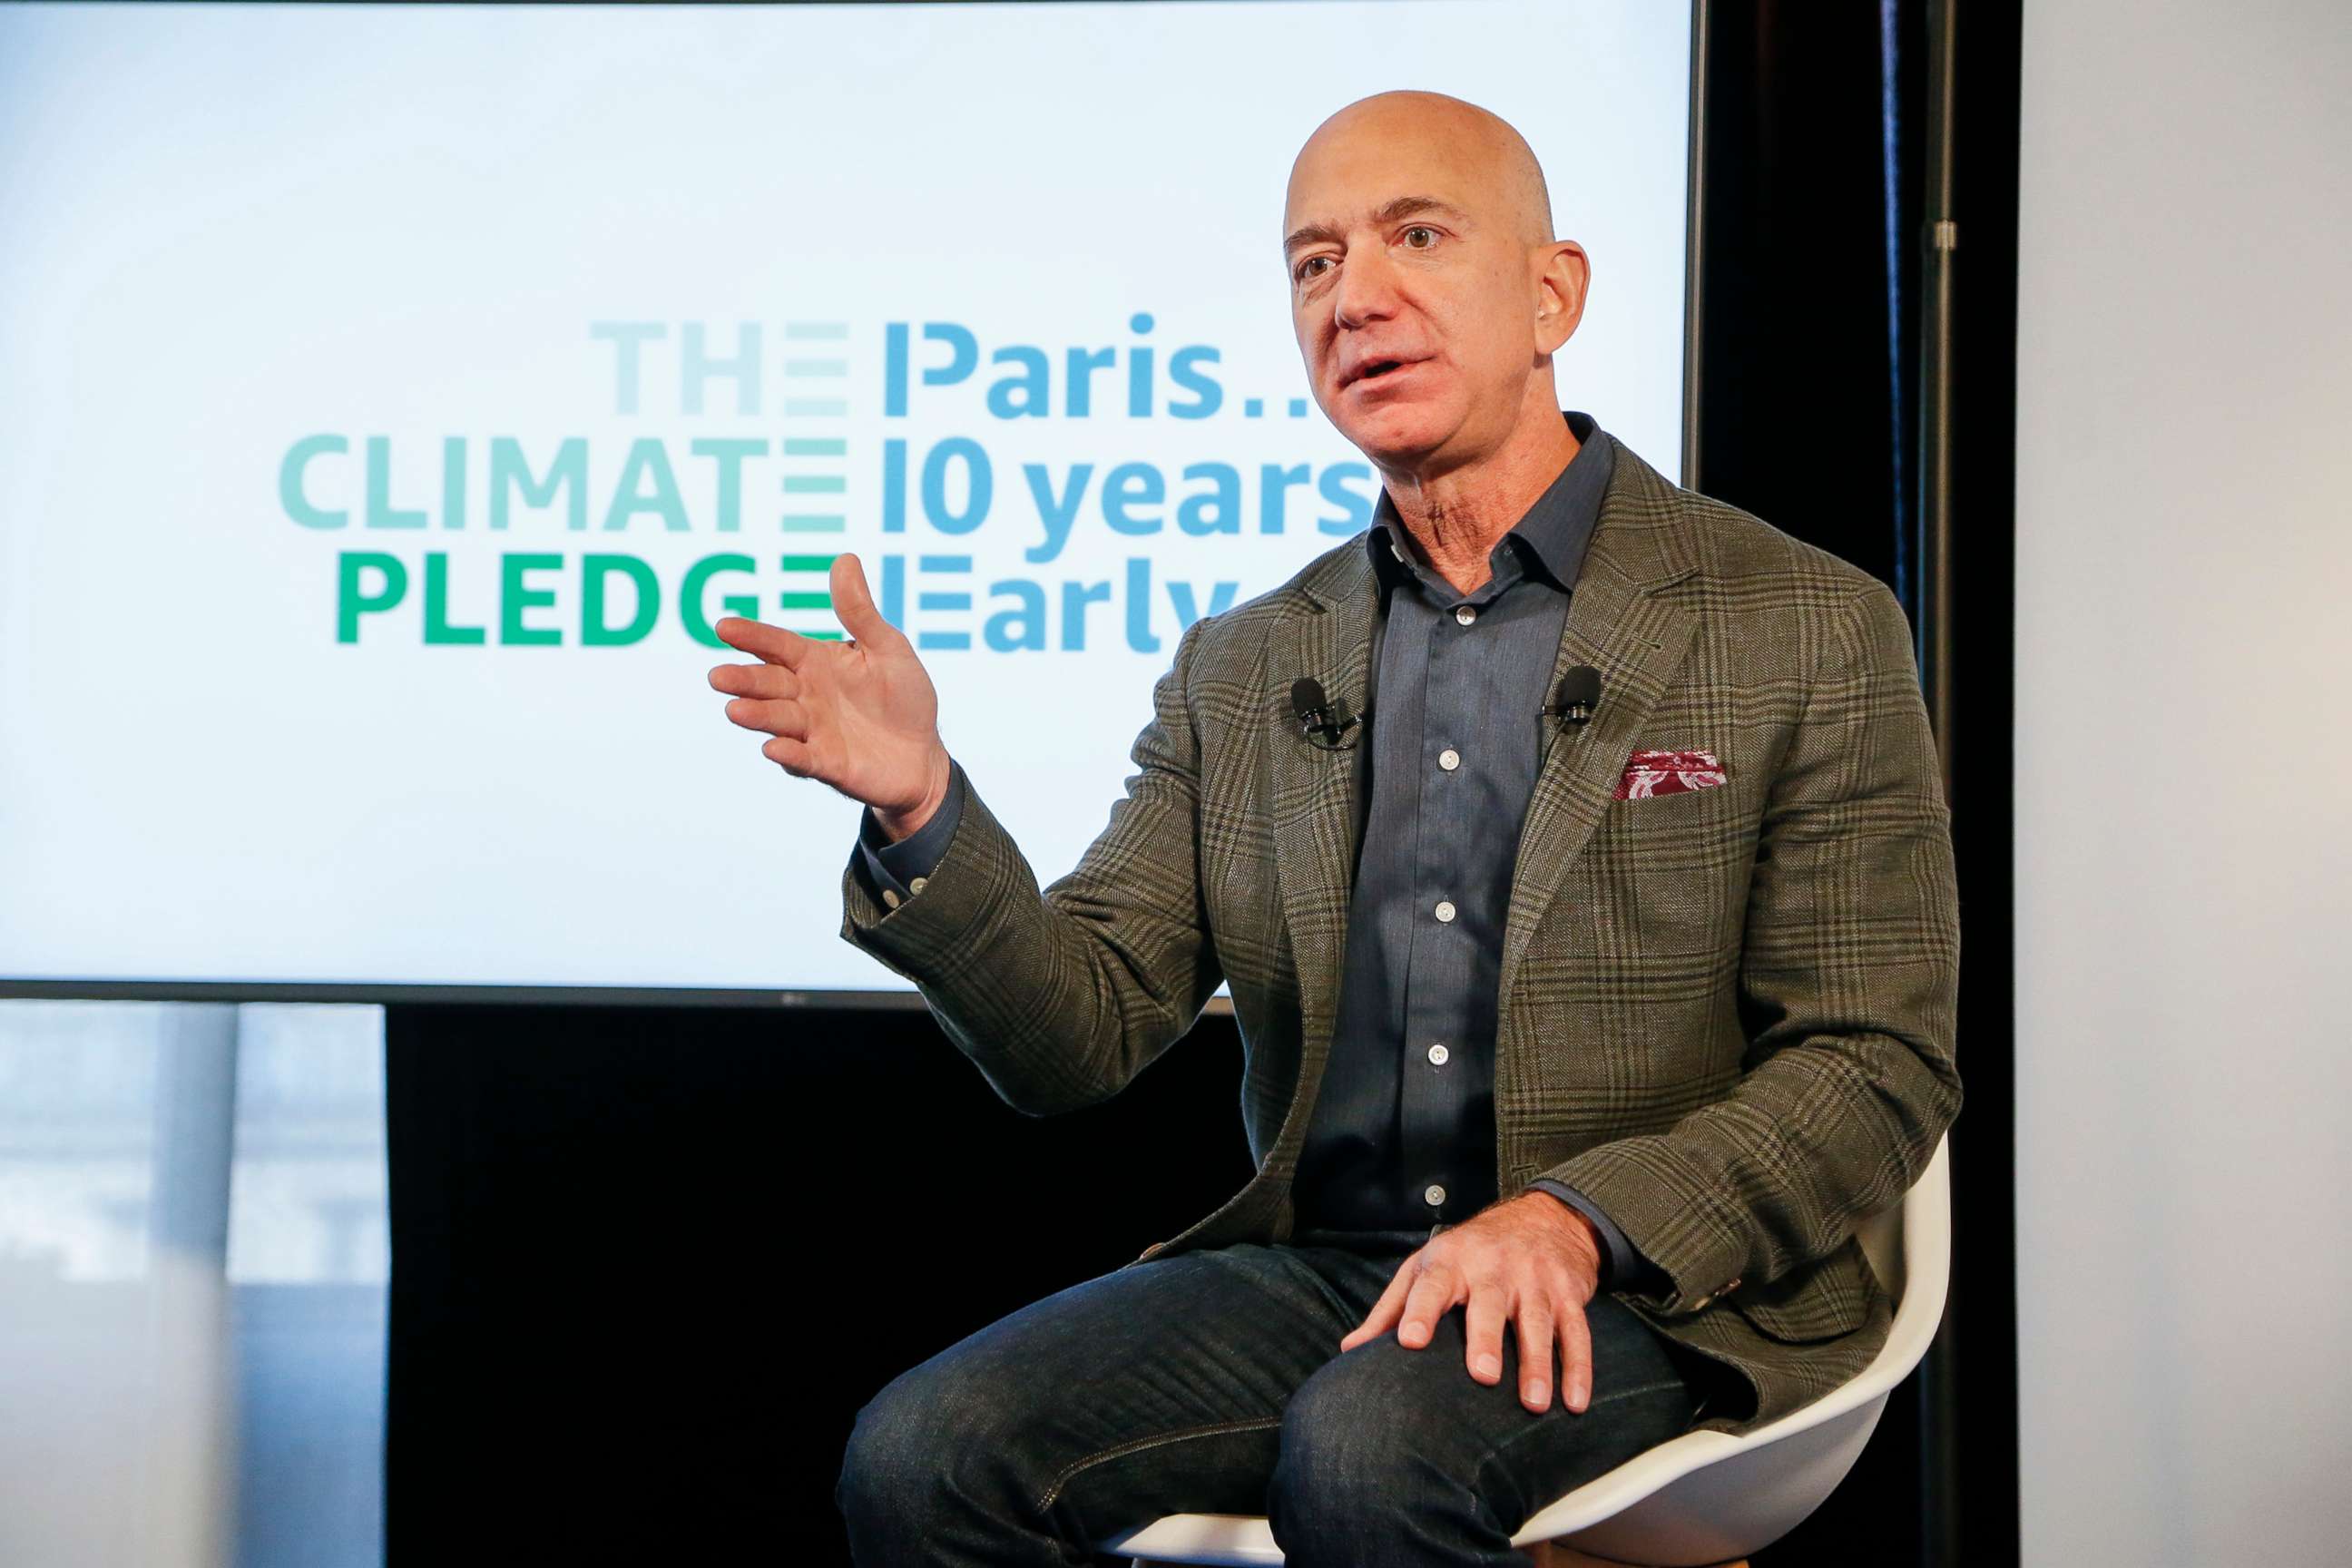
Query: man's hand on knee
1531,1261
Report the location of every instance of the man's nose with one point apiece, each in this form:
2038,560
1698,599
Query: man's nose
1366,290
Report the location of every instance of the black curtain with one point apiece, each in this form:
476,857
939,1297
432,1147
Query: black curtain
648,1262
1815,182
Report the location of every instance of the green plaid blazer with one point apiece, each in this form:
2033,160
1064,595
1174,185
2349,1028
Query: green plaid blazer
1726,1013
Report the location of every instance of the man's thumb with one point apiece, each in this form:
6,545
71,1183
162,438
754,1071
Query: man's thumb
853,606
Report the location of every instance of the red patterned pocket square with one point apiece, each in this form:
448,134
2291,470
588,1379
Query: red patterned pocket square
1667,773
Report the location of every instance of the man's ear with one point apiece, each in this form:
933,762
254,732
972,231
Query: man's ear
1563,277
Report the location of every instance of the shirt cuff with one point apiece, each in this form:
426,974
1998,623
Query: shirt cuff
1621,1261
896,865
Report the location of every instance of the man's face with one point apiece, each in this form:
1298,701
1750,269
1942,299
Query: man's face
1412,290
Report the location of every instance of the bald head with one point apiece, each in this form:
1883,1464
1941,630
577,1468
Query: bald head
1479,145
1427,289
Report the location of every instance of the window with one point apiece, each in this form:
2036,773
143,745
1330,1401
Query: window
194,1260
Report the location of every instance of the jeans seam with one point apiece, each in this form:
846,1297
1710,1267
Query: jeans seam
1137,1445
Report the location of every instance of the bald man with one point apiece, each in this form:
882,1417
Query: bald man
1578,1036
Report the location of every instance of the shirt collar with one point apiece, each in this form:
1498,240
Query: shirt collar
1550,538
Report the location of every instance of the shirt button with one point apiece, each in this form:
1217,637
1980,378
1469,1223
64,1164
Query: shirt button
890,897
1445,909
1449,759
1433,1194
1437,1053
1465,613
917,885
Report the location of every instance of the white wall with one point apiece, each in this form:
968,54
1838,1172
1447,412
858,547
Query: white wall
2184,781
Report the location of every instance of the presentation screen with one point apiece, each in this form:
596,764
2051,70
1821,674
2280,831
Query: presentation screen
392,399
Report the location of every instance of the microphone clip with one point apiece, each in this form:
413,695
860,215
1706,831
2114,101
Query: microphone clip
1317,722
1570,712
1580,694
1327,733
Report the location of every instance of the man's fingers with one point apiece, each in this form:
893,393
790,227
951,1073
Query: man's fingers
1481,1332
853,606
786,716
756,681
1575,1360
1433,1292
1384,1310
1536,1340
794,756
775,645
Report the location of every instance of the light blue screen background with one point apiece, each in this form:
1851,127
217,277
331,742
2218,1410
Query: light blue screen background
283,290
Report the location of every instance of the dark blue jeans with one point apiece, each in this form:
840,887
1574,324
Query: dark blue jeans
1212,1381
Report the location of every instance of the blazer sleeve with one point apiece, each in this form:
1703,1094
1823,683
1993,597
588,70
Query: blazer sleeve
895,866
1848,987
1061,997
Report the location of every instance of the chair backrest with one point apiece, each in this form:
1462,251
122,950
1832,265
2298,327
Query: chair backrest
1909,1246
1882,1242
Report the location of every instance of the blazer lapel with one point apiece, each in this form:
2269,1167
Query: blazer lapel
1313,798
1619,623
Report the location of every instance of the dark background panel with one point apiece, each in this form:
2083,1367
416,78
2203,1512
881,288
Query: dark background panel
648,1262
1797,407
1816,183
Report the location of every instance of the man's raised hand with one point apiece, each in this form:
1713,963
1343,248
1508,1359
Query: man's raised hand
860,715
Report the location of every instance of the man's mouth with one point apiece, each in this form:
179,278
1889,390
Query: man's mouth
1375,370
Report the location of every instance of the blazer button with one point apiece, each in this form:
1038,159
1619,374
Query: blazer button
890,897
1714,1295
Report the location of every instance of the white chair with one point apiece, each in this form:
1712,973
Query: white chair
1705,1497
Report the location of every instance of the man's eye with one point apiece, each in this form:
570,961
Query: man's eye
1309,262
1423,229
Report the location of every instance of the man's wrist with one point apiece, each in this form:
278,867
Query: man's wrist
898,825
1580,1221
1593,1238
1609,1253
